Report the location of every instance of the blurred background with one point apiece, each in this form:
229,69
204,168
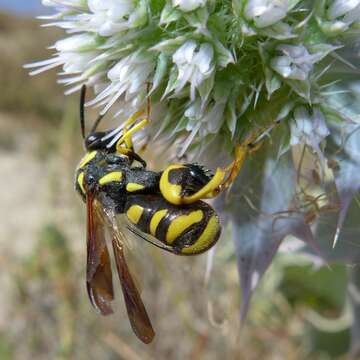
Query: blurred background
44,309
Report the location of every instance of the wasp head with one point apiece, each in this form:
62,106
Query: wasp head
99,141
94,141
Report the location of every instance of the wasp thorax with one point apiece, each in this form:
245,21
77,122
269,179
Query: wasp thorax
117,159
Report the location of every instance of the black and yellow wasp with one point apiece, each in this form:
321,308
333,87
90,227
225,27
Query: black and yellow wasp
163,208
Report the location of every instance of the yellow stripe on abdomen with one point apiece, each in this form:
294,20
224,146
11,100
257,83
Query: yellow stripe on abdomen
206,239
134,213
181,223
155,220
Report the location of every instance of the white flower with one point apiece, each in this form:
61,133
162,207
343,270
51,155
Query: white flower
338,16
194,64
202,123
296,63
347,10
79,42
128,77
308,129
105,17
72,62
109,17
211,120
77,56
266,12
188,5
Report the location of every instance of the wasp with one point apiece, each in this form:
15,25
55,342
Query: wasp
161,207
164,208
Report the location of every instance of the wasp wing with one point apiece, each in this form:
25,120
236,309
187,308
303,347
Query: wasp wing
139,319
148,238
98,272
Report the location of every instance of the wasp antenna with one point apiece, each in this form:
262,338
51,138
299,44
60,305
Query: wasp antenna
82,112
148,105
97,122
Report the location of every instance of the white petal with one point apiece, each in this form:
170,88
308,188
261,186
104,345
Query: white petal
293,51
341,7
281,64
188,5
353,15
120,9
204,57
308,129
75,42
98,5
194,111
266,12
114,72
185,52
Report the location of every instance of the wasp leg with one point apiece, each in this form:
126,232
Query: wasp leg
128,123
177,181
133,156
126,138
132,119
187,183
242,152
210,190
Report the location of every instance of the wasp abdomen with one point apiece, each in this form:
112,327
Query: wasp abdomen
188,230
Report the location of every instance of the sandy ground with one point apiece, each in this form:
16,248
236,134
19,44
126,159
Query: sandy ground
27,200
24,197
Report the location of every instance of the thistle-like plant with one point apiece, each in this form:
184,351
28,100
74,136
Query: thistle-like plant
221,70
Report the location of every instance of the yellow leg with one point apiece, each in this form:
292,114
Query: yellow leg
126,138
217,184
173,192
210,190
130,121
242,151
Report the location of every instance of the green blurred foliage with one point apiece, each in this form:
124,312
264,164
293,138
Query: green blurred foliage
6,349
330,345
322,290
315,288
